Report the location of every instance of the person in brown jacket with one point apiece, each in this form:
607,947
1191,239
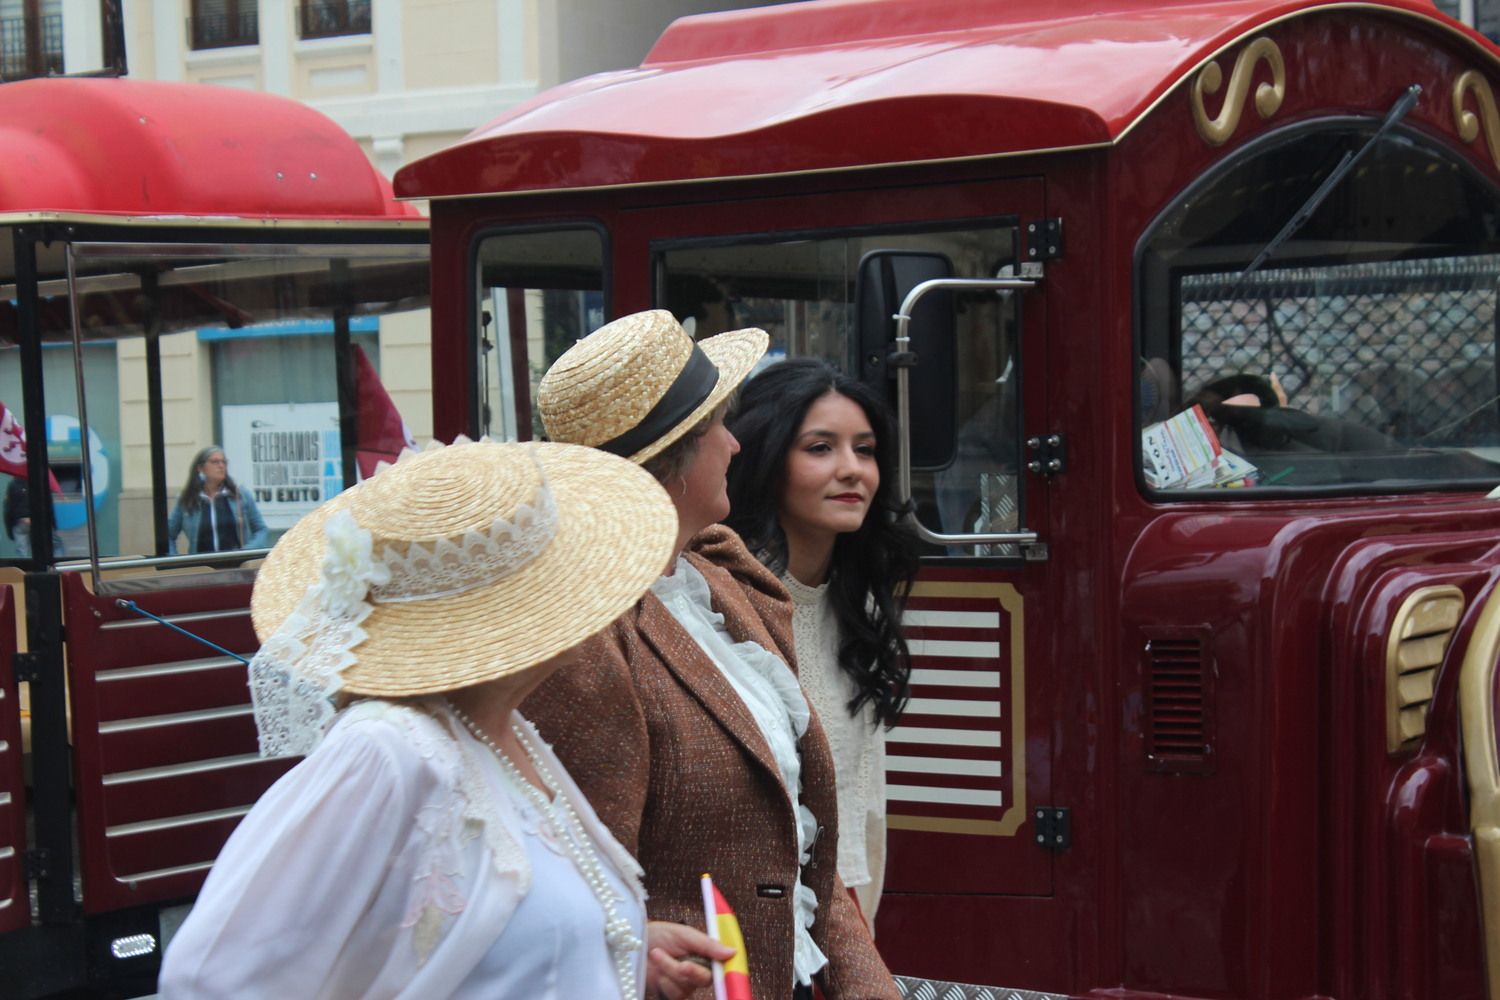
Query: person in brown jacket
701,753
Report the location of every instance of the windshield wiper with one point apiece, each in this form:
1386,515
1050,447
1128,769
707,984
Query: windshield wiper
1299,219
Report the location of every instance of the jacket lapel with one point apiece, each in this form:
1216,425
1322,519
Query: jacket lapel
682,655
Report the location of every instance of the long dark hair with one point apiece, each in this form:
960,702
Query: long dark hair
191,492
873,567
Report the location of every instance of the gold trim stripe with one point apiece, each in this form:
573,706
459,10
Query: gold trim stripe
937,824
1476,693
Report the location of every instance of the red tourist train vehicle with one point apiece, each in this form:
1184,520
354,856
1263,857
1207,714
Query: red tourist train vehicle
182,265
1192,309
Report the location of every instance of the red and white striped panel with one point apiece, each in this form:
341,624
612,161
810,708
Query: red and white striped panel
950,757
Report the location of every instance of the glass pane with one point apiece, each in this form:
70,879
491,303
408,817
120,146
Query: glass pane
247,342
803,293
1362,355
61,431
539,292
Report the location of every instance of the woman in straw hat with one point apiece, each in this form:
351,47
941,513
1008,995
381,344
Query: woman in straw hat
431,845
701,753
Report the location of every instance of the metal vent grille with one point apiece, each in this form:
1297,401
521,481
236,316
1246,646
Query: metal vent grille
1179,716
1419,639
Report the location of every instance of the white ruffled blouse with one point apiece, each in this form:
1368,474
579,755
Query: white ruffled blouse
858,744
770,691
399,860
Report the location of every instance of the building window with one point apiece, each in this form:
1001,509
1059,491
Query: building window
330,18
30,38
217,24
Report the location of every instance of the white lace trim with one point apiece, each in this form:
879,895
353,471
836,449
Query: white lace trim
298,670
448,566
481,812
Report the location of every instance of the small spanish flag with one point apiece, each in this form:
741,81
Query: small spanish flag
731,978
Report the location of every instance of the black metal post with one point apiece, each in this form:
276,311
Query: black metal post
51,857
114,41
343,358
34,404
151,289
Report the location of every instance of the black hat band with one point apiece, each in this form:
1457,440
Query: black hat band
691,387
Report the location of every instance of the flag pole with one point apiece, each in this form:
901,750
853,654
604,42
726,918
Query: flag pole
711,920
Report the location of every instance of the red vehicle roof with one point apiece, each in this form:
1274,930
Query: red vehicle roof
840,83
139,148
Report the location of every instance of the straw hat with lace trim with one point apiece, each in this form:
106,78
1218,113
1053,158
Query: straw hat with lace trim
636,385
465,610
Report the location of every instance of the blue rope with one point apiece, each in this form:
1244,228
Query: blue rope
132,606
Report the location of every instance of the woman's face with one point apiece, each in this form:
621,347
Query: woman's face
701,496
213,469
831,472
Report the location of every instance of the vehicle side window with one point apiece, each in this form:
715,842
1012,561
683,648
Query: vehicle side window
1359,353
539,292
804,292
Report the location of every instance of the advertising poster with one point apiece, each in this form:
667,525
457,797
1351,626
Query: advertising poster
286,455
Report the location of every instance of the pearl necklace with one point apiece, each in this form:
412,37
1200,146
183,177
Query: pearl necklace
619,935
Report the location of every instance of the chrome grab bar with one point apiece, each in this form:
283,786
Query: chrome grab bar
903,409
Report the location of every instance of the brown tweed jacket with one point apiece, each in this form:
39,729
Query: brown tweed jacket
677,768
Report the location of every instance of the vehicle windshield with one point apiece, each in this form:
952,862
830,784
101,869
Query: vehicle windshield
1361,357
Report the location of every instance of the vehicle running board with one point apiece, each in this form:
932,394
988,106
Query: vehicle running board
931,989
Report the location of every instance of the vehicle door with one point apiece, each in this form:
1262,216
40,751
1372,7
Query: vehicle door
823,275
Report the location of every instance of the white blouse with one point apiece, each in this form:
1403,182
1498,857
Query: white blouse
858,744
399,861
770,691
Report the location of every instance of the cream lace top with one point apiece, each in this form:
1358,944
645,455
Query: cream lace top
858,744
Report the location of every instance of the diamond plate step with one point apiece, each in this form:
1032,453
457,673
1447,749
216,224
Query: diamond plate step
931,989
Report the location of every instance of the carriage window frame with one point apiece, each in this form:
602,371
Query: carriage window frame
1156,285
473,331
111,259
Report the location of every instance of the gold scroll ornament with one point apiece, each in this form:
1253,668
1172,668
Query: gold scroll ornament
1467,122
1268,96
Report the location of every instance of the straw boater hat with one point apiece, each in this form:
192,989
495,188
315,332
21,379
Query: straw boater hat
461,565
636,385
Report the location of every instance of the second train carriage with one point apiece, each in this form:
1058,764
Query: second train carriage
182,265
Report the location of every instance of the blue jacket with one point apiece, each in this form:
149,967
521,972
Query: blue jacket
253,532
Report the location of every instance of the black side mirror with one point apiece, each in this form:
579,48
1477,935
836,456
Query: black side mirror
885,278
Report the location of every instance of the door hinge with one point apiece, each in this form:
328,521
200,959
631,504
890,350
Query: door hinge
1044,239
27,667
1054,827
1049,455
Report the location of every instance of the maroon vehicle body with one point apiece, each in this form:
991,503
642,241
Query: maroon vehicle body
1239,743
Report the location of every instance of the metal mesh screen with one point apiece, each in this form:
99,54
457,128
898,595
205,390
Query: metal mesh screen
1404,347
